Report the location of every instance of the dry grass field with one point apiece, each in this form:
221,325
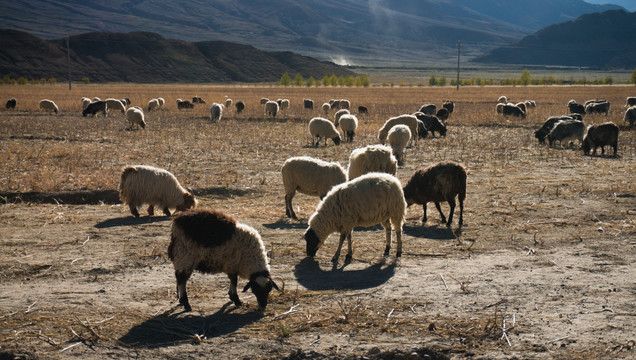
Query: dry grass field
542,268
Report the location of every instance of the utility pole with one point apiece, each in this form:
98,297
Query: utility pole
68,60
458,52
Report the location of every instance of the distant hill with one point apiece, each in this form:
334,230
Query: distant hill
600,40
352,31
150,58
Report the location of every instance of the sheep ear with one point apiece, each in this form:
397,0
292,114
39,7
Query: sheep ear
249,285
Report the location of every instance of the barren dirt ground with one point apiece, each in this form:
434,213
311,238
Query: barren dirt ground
542,268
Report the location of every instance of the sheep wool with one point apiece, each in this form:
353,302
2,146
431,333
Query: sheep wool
153,104
321,128
48,105
216,112
398,138
115,104
271,108
409,120
349,124
338,115
85,102
135,117
371,158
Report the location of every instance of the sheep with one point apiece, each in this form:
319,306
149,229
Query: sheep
631,101
325,108
362,110
11,104
197,100
309,176
591,101
153,104
115,104
522,106
48,105
432,124
142,184
264,101
96,99
449,105
284,104
240,106
406,119
184,104
344,104
349,124
438,182
372,199
308,104
398,137
530,103
338,114
335,104
135,117
499,108
600,135
228,103
161,102
421,129
548,125
567,130
95,107
85,102
213,242
125,101
428,109
502,99
323,128
216,112
598,107
371,158
513,110
442,114
574,107
630,116
271,108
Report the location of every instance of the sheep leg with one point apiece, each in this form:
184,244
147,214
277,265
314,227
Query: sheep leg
233,294
133,210
441,214
461,212
289,208
337,254
349,256
387,230
151,210
451,202
182,293
166,211
424,210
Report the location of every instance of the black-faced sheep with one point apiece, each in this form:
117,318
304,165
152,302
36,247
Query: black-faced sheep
213,242
308,104
184,104
11,104
95,107
321,128
309,176
142,184
349,124
565,131
271,109
598,107
432,124
398,138
371,199
216,112
548,125
576,108
409,120
135,117
600,135
630,116
428,109
362,110
442,114
371,158
438,182
114,105
48,105
240,106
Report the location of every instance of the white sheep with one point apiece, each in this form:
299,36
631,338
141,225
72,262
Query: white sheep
135,117
48,105
338,114
115,104
309,176
325,108
216,112
142,184
398,138
161,102
284,104
374,198
502,100
371,158
85,102
153,104
96,99
271,108
228,103
409,120
322,128
349,124
213,242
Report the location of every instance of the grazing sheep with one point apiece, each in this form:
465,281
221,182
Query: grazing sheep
264,101
371,158
349,124
362,110
438,182
95,107
502,100
344,104
530,103
216,112
213,242
141,184
48,105
115,104
600,135
369,200
135,117
11,104
432,124
428,109
197,100
320,128
325,108
85,102
309,176
409,120
442,114
271,109
228,103
630,116
449,105
125,101
308,104
184,104
398,137
338,114
96,99
575,108
499,108
522,106
631,101
422,131
548,125
565,131
513,110
153,104
284,104
240,106
598,107
335,104
161,102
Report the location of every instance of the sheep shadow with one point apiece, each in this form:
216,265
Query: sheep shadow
431,232
169,329
129,221
309,274
282,224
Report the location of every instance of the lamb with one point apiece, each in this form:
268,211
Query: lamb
308,104
371,158
135,117
362,110
322,128
599,107
240,106
442,114
432,124
115,104
600,135
271,108
398,138
409,120
630,116
349,124
48,105
438,182
325,108
449,105
228,103
309,176
153,104
631,101
428,109
371,199
216,112
11,104
565,131
184,104
95,107
213,242
85,102
548,125
574,107
141,184
338,114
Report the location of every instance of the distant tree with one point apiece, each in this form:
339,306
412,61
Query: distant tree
609,80
350,80
325,80
22,81
52,80
333,80
310,81
298,80
86,80
432,81
525,78
341,80
633,78
42,81
284,80
441,81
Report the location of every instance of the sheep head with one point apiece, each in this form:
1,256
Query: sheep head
313,242
261,284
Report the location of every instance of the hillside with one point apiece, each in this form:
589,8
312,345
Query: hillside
150,58
601,40
349,30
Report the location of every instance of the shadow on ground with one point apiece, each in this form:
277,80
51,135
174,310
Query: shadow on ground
309,274
129,221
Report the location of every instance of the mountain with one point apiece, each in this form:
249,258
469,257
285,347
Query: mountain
146,57
600,40
349,30
630,5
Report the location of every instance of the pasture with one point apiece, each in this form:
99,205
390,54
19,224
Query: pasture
542,268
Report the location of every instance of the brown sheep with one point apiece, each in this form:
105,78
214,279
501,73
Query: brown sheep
600,135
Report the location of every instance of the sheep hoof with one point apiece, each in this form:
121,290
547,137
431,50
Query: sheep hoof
348,258
235,299
398,254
